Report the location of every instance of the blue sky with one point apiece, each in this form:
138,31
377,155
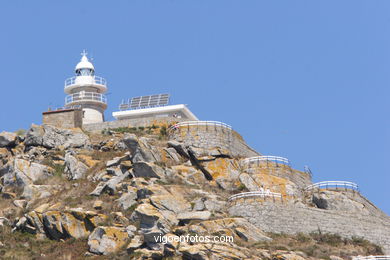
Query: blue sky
307,80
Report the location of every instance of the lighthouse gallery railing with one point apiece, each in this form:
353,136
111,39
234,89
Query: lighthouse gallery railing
85,96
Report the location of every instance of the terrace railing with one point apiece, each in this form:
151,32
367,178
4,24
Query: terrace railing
377,257
261,194
333,185
265,158
199,123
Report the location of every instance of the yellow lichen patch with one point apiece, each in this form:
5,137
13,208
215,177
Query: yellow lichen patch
55,219
55,206
42,208
273,183
88,160
182,168
73,226
219,167
98,219
117,234
189,173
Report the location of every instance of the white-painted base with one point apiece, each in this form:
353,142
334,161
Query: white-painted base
92,116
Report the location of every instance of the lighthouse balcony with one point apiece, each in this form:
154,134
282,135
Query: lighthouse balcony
86,97
72,84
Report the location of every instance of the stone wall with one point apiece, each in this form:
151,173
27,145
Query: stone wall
293,218
145,121
67,118
211,137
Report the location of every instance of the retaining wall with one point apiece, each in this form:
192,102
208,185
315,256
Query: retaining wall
145,121
211,137
294,218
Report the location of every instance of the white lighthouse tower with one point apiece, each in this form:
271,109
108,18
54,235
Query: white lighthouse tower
86,91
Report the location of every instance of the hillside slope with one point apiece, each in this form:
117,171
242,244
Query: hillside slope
70,194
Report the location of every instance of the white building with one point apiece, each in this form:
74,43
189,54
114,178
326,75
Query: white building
86,91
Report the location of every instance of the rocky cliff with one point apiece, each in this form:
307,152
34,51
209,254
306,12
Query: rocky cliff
70,194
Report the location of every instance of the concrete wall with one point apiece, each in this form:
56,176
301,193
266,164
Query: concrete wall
294,218
211,137
68,118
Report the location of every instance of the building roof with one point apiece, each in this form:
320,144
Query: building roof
155,110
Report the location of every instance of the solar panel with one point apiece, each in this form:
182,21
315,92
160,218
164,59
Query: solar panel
145,101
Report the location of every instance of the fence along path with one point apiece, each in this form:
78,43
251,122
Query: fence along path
333,184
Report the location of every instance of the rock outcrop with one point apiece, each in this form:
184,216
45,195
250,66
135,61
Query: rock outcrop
51,137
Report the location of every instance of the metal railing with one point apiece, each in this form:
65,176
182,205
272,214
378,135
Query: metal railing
333,185
372,257
85,96
266,158
199,123
262,194
96,80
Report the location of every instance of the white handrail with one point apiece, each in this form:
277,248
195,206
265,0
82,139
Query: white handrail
372,257
266,158
85,96
199,123
262,194
96,80
333,184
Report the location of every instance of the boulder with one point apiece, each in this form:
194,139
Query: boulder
52,137
170,202
202,251
107,240
248,182
22,172
343,200
179,147
199,204
98,204
8,139
117,161
20,203
193,215
74,169
236,227
55,224
139,150
39,191
134,244
172,155
4,222
151,218
147,170
127,200
109,186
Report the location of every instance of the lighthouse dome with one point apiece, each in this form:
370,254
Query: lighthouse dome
84,64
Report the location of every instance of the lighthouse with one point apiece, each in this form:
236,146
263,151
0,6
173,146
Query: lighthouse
85,91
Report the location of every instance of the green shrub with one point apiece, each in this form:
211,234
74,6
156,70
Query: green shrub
163,131
20,132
